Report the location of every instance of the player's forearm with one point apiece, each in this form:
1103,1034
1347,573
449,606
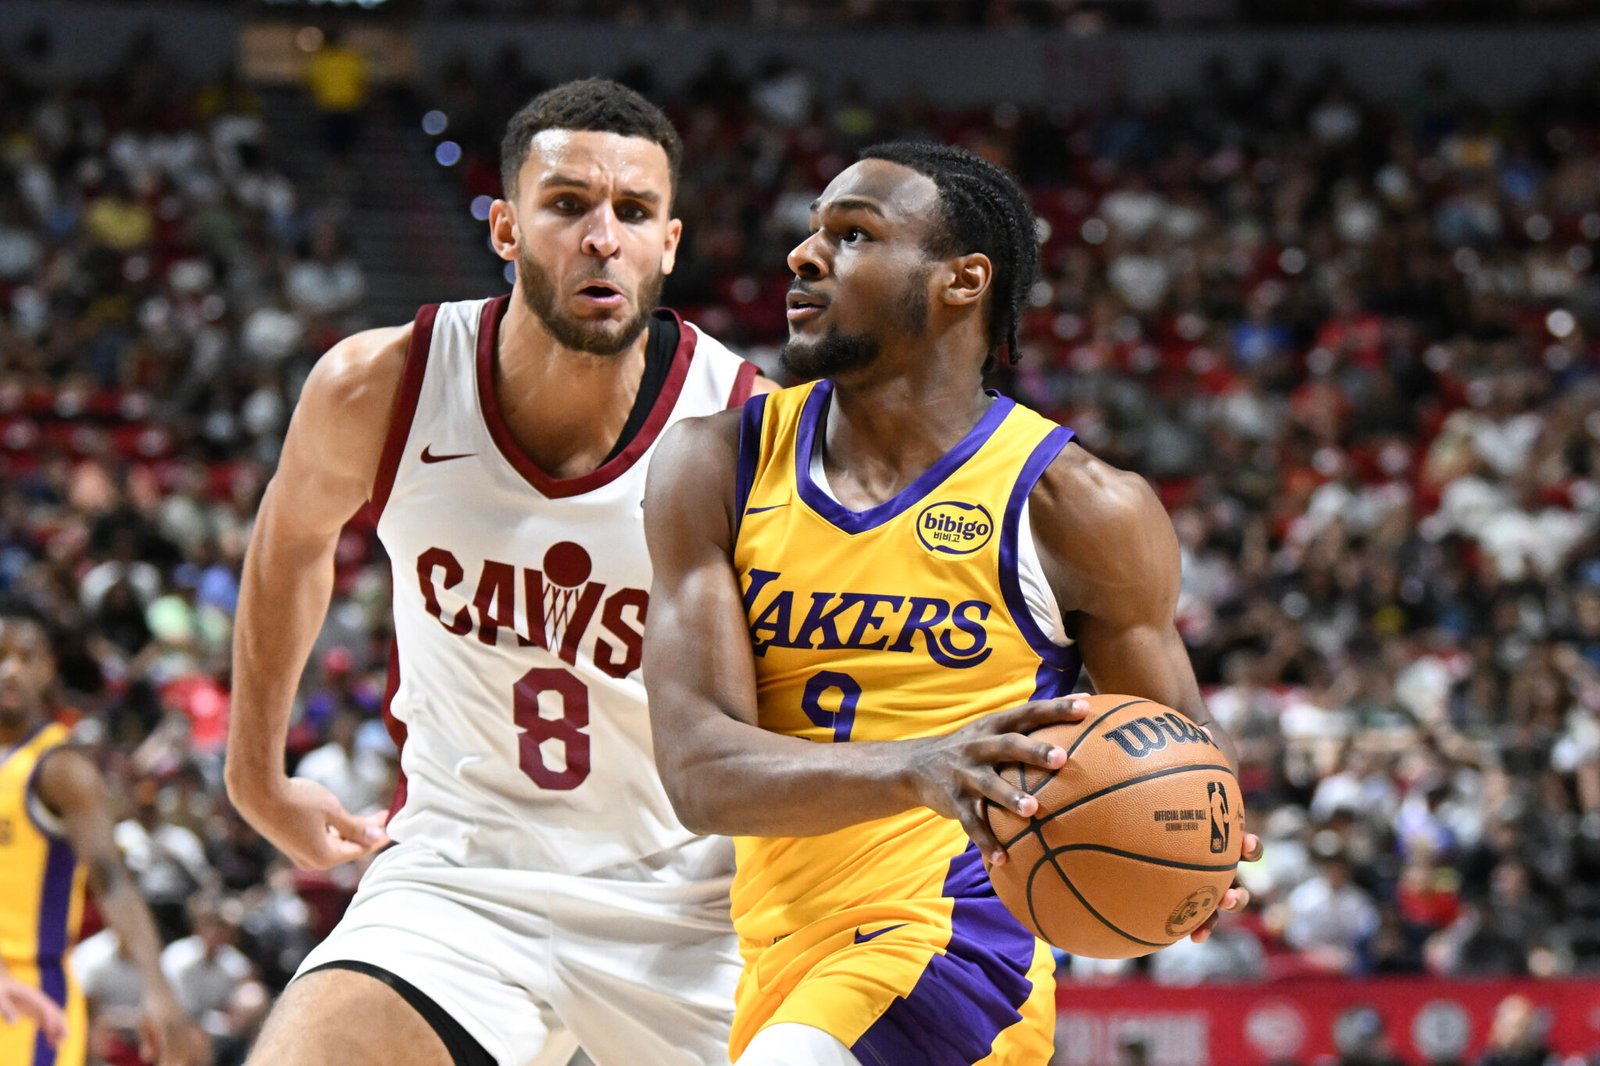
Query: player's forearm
126,914
730,778
282,603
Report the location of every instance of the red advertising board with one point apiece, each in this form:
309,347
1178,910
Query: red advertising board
1294,1021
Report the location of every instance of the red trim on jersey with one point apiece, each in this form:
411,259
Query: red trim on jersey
743,382
405,408
556,488
395,727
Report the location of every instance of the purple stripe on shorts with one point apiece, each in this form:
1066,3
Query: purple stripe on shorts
967,996
55,908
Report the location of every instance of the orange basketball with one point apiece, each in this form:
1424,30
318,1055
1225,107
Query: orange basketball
1135,839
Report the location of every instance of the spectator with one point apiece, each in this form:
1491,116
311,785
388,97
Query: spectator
167,860
209,972
360,778
1516,1036
1327,917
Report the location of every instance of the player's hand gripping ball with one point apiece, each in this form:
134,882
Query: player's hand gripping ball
1135,839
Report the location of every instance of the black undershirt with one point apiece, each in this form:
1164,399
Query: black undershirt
661,345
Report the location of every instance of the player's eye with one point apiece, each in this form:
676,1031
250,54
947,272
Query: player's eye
632,213
854,235
568,205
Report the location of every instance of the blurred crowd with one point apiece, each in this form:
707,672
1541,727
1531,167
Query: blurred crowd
1350,341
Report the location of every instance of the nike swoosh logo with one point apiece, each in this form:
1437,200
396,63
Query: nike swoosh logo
758,510
862,938
429,457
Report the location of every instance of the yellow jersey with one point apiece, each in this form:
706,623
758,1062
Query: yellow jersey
905,620
41,904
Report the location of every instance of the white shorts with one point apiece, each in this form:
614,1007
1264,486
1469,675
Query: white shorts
793,1044
533,965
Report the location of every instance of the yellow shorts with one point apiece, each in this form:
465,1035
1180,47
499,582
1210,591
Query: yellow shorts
22,1043
952,981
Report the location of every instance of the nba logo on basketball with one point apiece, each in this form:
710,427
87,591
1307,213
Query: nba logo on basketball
1218,795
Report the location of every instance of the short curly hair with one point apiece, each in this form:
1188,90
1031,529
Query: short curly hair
591,104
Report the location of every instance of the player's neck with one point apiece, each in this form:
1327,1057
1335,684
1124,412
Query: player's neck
15,732
565,408
884,430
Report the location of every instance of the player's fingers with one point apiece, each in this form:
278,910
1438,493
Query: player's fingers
47,1014
1235,899
1202,934
366,830
974,817
985,783
1016,748
1031,716
337,849
7,1011
54,1027
1253,848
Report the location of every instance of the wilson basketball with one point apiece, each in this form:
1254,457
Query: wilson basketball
1135,840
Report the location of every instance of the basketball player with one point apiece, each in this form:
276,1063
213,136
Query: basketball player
867,590
55,837
540,893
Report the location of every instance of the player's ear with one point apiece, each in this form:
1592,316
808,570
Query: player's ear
669,253
970,278
504,233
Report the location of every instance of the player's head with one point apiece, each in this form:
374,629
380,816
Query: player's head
589,169
909,233
27,666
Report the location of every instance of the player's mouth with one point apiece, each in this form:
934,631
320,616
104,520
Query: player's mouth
599,293
804,306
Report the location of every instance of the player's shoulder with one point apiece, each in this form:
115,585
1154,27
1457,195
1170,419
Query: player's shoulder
706,441
1081,490
364,361
738,377
66,775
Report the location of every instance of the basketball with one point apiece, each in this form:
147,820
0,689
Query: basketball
1135,839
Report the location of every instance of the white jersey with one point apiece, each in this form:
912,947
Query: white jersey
519,610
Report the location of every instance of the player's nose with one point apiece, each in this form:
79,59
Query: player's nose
603,235
806,258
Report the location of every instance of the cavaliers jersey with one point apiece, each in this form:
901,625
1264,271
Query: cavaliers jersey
909,619
519,610
41,905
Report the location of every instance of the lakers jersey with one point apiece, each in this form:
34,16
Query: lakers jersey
41,904
909,619
514,690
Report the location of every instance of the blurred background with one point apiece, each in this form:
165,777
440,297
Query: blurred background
1323,271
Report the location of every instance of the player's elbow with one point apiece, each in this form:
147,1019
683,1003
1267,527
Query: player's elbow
691,787
677,778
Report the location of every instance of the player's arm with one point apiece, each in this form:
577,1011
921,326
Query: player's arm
1111,555
18,1001
326,473
723,772
72,789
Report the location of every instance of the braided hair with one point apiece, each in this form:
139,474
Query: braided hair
982,208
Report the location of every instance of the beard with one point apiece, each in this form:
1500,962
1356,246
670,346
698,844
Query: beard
827,356
837,352
604,337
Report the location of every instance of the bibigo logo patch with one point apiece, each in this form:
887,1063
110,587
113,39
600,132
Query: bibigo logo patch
952,528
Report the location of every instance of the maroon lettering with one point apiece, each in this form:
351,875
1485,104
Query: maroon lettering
496,600
439,559
631,636
578,620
